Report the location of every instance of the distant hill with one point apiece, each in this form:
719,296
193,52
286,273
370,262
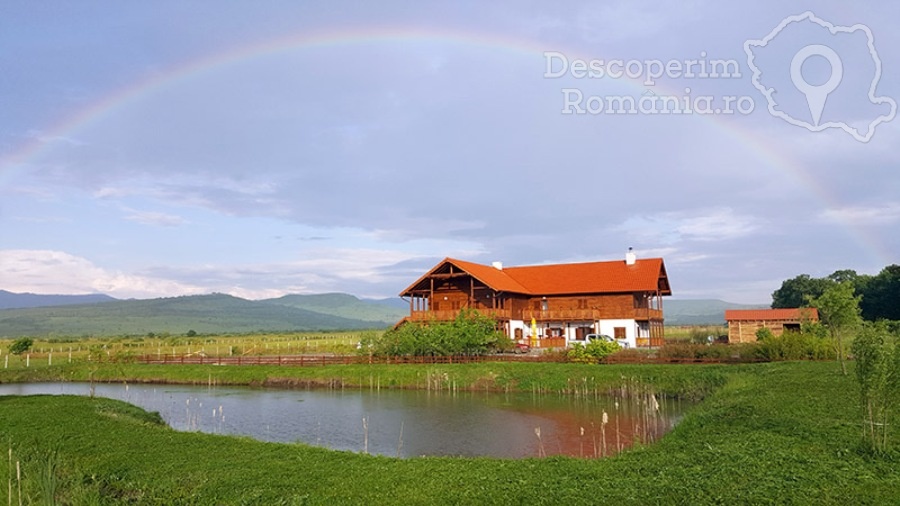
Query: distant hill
395,302
345,306
176,315
10,300
700,311
98,314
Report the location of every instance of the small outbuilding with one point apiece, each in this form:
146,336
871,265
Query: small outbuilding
743,323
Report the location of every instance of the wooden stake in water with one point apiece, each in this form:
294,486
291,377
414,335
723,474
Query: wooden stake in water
537,432
603,423
400,440
365,435
618,439
581,443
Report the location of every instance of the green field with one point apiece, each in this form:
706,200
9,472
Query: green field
777,433
58,351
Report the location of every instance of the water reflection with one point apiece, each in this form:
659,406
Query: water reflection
400,422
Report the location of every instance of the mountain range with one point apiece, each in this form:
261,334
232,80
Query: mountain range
99,314
215,313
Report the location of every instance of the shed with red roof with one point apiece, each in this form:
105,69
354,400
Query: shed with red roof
744,323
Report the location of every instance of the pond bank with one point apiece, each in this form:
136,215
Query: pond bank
676,381
782,433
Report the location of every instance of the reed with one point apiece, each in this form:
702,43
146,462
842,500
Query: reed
365,424
603,423
541,452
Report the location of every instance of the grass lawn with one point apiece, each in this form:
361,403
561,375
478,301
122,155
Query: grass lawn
765,433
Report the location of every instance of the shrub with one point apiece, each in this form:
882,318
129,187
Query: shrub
471,333
796,346
764,333
593,352
21,345
705,335
878,374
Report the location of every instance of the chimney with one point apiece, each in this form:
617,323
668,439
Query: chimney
497,265
630,257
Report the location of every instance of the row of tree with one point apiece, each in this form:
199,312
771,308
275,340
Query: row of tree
879,295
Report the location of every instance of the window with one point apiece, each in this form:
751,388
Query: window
619,332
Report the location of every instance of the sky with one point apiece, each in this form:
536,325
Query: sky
157,149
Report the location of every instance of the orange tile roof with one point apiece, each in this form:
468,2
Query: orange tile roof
590,277
793,314
558,279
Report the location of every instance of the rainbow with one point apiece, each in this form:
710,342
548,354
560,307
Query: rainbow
95,112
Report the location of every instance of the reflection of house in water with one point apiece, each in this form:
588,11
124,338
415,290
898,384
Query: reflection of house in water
566,302
743,323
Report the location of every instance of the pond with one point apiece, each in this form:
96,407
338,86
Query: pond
400,423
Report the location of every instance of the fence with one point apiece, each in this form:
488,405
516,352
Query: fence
322,360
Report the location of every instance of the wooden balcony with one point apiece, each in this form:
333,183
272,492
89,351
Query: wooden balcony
590,314
450,314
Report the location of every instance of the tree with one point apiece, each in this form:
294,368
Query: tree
839,310
881,295
21,345
796,292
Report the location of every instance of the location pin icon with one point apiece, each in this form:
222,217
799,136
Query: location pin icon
816,95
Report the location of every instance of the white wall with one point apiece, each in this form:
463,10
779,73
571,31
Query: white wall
608,327
519,324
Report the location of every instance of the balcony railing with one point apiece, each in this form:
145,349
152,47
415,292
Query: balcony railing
588,314
539,315
450,314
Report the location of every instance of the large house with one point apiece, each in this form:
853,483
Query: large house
550,305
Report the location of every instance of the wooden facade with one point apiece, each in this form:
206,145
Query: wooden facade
561,302
744,323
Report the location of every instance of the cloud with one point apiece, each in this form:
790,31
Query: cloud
365,272
46,139
58,272
708,225
155,218
879,215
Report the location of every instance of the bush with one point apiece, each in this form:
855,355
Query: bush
809,345
21,345
705,335
593,352
719,351
471,333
